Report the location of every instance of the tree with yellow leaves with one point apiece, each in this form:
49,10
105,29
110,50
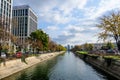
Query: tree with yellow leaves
110,26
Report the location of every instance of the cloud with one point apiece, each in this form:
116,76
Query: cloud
53,11
70,21
68,5
74,29
52,28
94,12
73,34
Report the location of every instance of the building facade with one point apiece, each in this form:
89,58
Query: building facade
6,12
26,21
5,19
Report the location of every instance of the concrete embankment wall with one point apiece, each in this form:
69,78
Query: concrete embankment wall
100,63
14,66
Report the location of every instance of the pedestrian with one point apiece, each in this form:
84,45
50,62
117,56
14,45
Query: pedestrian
23,59
3,58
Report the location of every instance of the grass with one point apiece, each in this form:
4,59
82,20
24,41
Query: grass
82,52
93,55
113,57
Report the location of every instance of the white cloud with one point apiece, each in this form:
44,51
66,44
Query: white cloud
60,19
66,33
93,28
52,28
104,6
50,11
68,5
76,28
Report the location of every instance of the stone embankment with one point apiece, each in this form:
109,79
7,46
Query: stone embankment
108,66
14,66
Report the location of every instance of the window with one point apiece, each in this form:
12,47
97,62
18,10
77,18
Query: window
26,12
18,13
26,20
10,1
14,13
23,12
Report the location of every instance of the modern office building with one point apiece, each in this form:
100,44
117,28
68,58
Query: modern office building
6,10
6,16
26,21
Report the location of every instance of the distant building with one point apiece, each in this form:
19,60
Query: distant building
99,45
26,22
69,47
72,47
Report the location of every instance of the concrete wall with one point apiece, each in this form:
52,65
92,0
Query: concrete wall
100,63
14,66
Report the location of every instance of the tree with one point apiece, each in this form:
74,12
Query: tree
32,40
110,26
77,48
88,47
107,46
52,46
5,34
110,45
38,39
60,48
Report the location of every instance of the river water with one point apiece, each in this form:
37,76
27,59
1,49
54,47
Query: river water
63,67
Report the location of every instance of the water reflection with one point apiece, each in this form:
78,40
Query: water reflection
63,67
73,68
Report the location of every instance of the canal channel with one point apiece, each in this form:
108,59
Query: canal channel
63,67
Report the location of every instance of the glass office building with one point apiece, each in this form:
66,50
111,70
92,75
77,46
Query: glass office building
6,16
26,22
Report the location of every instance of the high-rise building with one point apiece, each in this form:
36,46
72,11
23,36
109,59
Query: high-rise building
26,21
6,12
5,16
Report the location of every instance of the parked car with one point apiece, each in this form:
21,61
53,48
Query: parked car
110,51
19,54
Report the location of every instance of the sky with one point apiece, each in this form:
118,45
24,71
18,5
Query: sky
70,21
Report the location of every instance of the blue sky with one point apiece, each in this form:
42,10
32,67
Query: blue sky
70,21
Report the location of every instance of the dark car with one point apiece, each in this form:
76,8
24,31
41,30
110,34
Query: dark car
110,51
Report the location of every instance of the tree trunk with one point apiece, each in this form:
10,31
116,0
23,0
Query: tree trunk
33,51
118,45
0,49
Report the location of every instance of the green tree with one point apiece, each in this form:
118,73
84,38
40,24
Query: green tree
110,26
88,47
60,48
110,45
107,46
91,47
38,40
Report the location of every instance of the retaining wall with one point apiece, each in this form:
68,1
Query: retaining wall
14,66
113,69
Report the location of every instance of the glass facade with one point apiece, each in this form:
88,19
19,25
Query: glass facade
26,21
6,15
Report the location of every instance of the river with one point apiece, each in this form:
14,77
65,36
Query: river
63,67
